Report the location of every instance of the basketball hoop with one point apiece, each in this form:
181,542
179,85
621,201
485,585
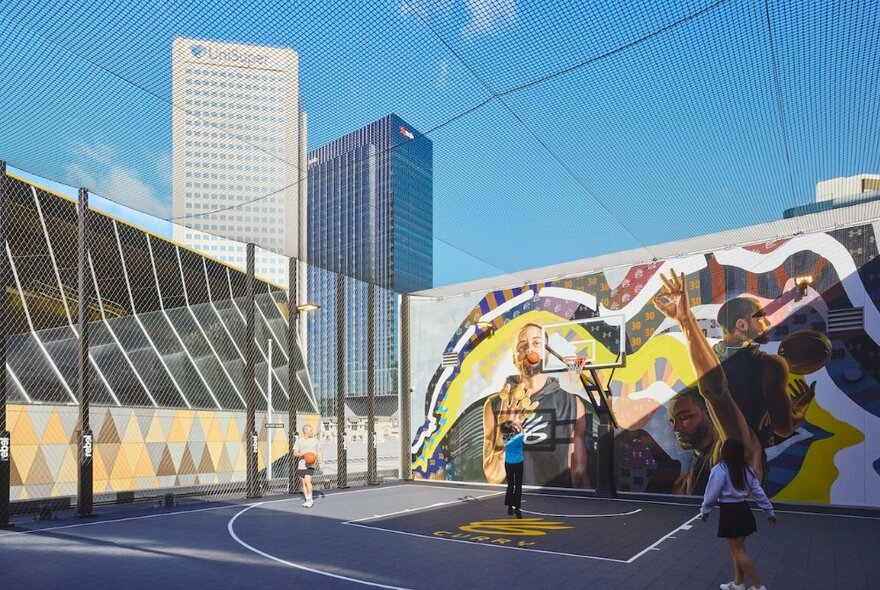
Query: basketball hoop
575,365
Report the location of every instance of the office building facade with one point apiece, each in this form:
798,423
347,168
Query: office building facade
238,151
370,218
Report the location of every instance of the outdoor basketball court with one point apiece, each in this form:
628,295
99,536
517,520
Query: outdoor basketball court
424,536
558,525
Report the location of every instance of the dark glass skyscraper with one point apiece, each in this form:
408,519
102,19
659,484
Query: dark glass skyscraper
371,194
370,218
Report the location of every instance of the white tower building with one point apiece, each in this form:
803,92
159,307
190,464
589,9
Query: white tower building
239,150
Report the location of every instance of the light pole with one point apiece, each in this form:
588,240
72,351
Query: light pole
303,308
269,425
294,311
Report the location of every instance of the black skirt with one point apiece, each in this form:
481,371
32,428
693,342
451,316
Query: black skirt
736,520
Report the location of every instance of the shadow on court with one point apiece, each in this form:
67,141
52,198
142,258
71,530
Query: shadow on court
424,536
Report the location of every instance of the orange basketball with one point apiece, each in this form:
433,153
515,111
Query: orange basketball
533,358
310,458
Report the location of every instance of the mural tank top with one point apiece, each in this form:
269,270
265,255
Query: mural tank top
742,367
548,435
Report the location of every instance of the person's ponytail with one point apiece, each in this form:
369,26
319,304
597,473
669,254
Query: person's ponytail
733,455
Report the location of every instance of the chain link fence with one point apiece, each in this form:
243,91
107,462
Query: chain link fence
167,401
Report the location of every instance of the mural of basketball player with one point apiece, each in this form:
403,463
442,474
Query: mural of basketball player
554,422
757,380
695,432
712,382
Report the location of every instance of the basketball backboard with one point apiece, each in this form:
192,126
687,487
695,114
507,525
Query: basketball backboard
601,340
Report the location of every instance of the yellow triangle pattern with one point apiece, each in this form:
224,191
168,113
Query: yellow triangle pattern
129,464
24,457
211,428
180,426
143,467
132,452
13,413
24,431
241,463
99,471
156,434
132,430
54,433
233,433
67,471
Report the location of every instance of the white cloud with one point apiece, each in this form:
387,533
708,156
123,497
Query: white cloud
443,74
125,185
98,152
425,8
489,17
163,167
77,176
97,170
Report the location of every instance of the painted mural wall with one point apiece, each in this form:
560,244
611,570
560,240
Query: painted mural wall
792,325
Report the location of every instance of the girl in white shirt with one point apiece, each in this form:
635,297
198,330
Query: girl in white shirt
730,483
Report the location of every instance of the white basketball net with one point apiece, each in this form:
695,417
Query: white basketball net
575,365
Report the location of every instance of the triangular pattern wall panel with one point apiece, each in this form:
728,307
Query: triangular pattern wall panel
136,449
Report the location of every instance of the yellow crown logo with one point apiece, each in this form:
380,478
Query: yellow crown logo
525,527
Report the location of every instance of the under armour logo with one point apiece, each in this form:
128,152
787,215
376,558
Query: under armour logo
533,430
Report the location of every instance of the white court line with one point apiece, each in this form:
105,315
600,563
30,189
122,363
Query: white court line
580,496
433,538
235,537
696,506
806,513
164,514
652,547
304,568
566,496
437,504
112,521
462,484
636,511
434,505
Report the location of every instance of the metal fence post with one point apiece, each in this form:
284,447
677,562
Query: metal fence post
292,384
371,385
341,443
85,475
250,384
606,485
5,438
405,391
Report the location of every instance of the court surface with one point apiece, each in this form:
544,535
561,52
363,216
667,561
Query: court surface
424,536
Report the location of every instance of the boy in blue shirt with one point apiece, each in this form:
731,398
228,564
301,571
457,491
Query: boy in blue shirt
512,434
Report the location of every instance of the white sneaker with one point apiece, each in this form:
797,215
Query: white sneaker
308,503
305,504
731,585
762,587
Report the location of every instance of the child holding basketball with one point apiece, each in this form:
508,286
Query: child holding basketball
730,483
308,451
512,435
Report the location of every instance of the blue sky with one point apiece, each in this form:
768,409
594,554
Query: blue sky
683,118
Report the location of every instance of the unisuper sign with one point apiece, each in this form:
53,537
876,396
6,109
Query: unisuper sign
232,54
